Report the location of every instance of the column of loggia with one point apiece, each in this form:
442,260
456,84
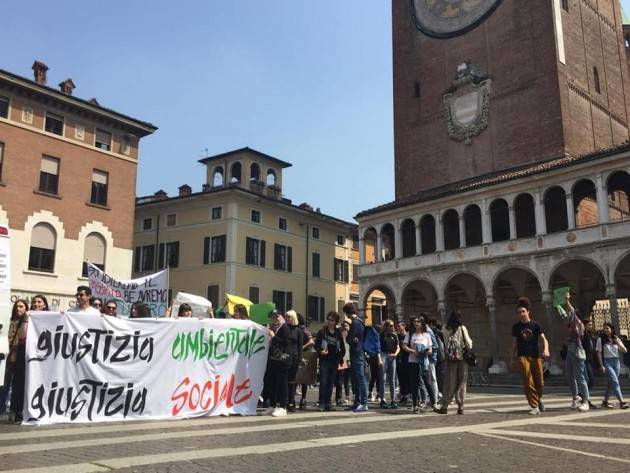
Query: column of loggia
570,211
602,199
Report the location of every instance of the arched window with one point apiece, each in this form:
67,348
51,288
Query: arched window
598,87
369,245
450,222
585,204
217,177
254,172
388,236
408,229
500,220
618,194
427,234
235,173
524,213
94,252
42,251
472,224
271,177
556,210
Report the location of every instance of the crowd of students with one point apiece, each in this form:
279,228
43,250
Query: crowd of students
423,364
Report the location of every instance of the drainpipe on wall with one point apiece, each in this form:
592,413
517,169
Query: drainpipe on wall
308,234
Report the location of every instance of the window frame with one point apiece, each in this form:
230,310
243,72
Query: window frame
282,220
103,146
258,258
99,190
8,102
280,263
54,116
315,256
174,224
168,254
44,183
144,224
315,233
2,146
254,212
341,240
220,213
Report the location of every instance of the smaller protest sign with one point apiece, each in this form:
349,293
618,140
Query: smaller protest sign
198,304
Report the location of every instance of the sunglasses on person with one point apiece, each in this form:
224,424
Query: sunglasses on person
110,307
96,304
80,294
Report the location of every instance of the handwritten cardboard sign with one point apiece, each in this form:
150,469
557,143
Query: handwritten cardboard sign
90,368
151,290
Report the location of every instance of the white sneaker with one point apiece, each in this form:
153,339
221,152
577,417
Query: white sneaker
279,412
535,411
576,403
268,411
373,397
583,407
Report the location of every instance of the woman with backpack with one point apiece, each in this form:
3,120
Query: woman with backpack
418,344
608,347
457,341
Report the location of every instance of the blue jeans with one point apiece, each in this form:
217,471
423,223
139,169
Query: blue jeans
327,372
575,371
388,374
588,374
357,366
612,373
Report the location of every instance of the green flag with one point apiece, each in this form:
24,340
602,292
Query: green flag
259,313
559,296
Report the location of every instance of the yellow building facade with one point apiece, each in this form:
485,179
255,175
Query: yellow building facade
240,236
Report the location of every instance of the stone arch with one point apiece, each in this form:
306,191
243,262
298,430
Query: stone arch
618,185
388,240
450,224
427,234
585,203
419,295
379,304
272,179
466,293
369,245
408,237
555,199
500,220
508,285
218,176
525,215
100,229
472,225
254,172
236,172
586,278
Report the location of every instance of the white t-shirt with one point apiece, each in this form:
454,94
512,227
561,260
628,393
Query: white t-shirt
610,349
416,338
88,310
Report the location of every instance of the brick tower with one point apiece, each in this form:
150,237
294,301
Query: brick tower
487,85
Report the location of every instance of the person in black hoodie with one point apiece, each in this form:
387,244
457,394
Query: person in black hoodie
297,340
278,365
331,349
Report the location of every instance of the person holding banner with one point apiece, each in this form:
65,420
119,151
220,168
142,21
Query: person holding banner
83,303
278,366
297,340
39,302
16,360
240,312
111,308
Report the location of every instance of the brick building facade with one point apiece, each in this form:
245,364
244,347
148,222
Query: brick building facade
67,184
558,84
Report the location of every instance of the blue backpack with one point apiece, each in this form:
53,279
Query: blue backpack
371,341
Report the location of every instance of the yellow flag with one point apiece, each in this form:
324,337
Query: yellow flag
235,300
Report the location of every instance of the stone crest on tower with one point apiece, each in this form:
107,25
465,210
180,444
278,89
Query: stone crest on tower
467,104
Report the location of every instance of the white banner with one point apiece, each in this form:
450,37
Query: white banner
91,368
151,289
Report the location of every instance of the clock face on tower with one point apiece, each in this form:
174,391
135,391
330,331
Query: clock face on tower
448,18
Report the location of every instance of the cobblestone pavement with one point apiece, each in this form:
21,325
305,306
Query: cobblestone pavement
495,435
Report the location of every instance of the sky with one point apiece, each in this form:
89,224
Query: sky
308,82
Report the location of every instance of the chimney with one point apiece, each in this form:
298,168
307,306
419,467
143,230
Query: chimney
67,86
39,72
185,190
160,195
93,101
